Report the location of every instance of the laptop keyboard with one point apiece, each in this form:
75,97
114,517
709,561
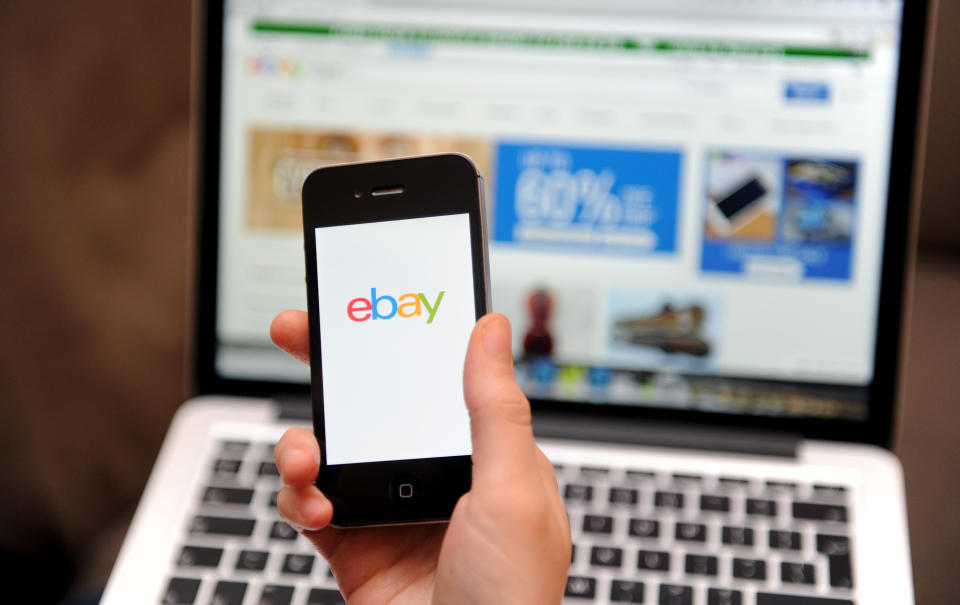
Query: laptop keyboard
236,550
639,536
688,539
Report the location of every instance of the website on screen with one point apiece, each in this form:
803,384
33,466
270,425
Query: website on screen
686,199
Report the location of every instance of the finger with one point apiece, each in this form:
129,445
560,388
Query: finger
499,411
551,486
547,472
305,507
291,332
298,457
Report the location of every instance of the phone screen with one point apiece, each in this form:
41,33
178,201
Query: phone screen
396,307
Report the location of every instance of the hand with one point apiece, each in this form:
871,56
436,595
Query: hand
508,540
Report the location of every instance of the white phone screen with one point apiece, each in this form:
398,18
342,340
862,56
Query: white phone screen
396,308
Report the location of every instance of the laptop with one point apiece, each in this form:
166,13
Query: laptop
699,227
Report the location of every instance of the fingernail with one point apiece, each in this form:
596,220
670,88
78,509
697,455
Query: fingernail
496,338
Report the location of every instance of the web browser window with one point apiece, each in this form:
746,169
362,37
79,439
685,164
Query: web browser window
686,199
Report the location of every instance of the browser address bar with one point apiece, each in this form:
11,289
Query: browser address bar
555,40
785,10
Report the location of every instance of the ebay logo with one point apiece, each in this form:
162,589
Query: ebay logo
267,65
385,307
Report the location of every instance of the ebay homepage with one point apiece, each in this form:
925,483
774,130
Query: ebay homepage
396,308
686,200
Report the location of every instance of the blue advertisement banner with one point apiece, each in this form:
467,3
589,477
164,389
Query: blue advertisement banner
784,218
818,261
587,198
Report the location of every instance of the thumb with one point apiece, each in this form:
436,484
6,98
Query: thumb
499,411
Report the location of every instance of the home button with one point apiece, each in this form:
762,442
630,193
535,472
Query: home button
405,490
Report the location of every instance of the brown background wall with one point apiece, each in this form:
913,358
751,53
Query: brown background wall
93,237
940,214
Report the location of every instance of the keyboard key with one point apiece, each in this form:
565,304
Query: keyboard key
833,545
654,560
226,466
223,526
595,471
268,469
274,594
701,565
782,539
719,504
768,598
638,474
841,571
797,573
837,549
829,491
750,569
252,560
675,594
724,596
281,531
782,486
761,507
573,552
737,536
687,478
733,482
668,500
272,501
235,449
814,511
181,591
606,556
623,495
227,495
625,591
580,587
691,532
597,524
573,491
199,556
644,528
228,593
325,596
298,564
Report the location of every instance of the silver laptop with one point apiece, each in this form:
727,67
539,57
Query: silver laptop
699,221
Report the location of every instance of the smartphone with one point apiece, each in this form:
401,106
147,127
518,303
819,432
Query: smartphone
736,206
397,276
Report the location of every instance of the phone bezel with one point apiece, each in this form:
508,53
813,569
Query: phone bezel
438,185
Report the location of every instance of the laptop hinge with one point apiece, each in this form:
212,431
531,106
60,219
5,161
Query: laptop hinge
293,407
663,434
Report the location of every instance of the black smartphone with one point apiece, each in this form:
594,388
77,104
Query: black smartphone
738,200
736,206
397,276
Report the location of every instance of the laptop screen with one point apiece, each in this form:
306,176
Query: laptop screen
687,198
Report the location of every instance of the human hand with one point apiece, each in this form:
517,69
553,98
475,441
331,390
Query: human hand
508,540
